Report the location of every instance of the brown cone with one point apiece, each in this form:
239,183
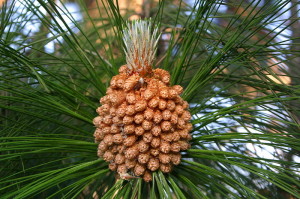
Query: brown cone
143,123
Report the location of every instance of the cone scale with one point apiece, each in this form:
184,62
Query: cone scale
143,124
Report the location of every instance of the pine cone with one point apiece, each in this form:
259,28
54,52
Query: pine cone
149,125
143,123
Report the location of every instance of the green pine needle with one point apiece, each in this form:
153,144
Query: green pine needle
233,58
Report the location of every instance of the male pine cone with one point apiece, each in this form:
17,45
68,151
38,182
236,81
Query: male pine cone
143,123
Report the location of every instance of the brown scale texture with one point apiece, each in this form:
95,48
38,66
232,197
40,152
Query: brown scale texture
143,124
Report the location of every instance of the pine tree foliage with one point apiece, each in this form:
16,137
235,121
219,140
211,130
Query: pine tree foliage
233,64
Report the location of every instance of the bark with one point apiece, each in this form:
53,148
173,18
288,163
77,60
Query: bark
294,68
295,47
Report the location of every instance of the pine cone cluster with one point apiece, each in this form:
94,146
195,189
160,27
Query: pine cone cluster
143,123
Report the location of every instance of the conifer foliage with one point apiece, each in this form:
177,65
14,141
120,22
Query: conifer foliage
203,106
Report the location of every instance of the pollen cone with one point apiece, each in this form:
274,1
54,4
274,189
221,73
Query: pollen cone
143,123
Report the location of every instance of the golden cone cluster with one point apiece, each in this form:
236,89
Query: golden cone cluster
143,123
